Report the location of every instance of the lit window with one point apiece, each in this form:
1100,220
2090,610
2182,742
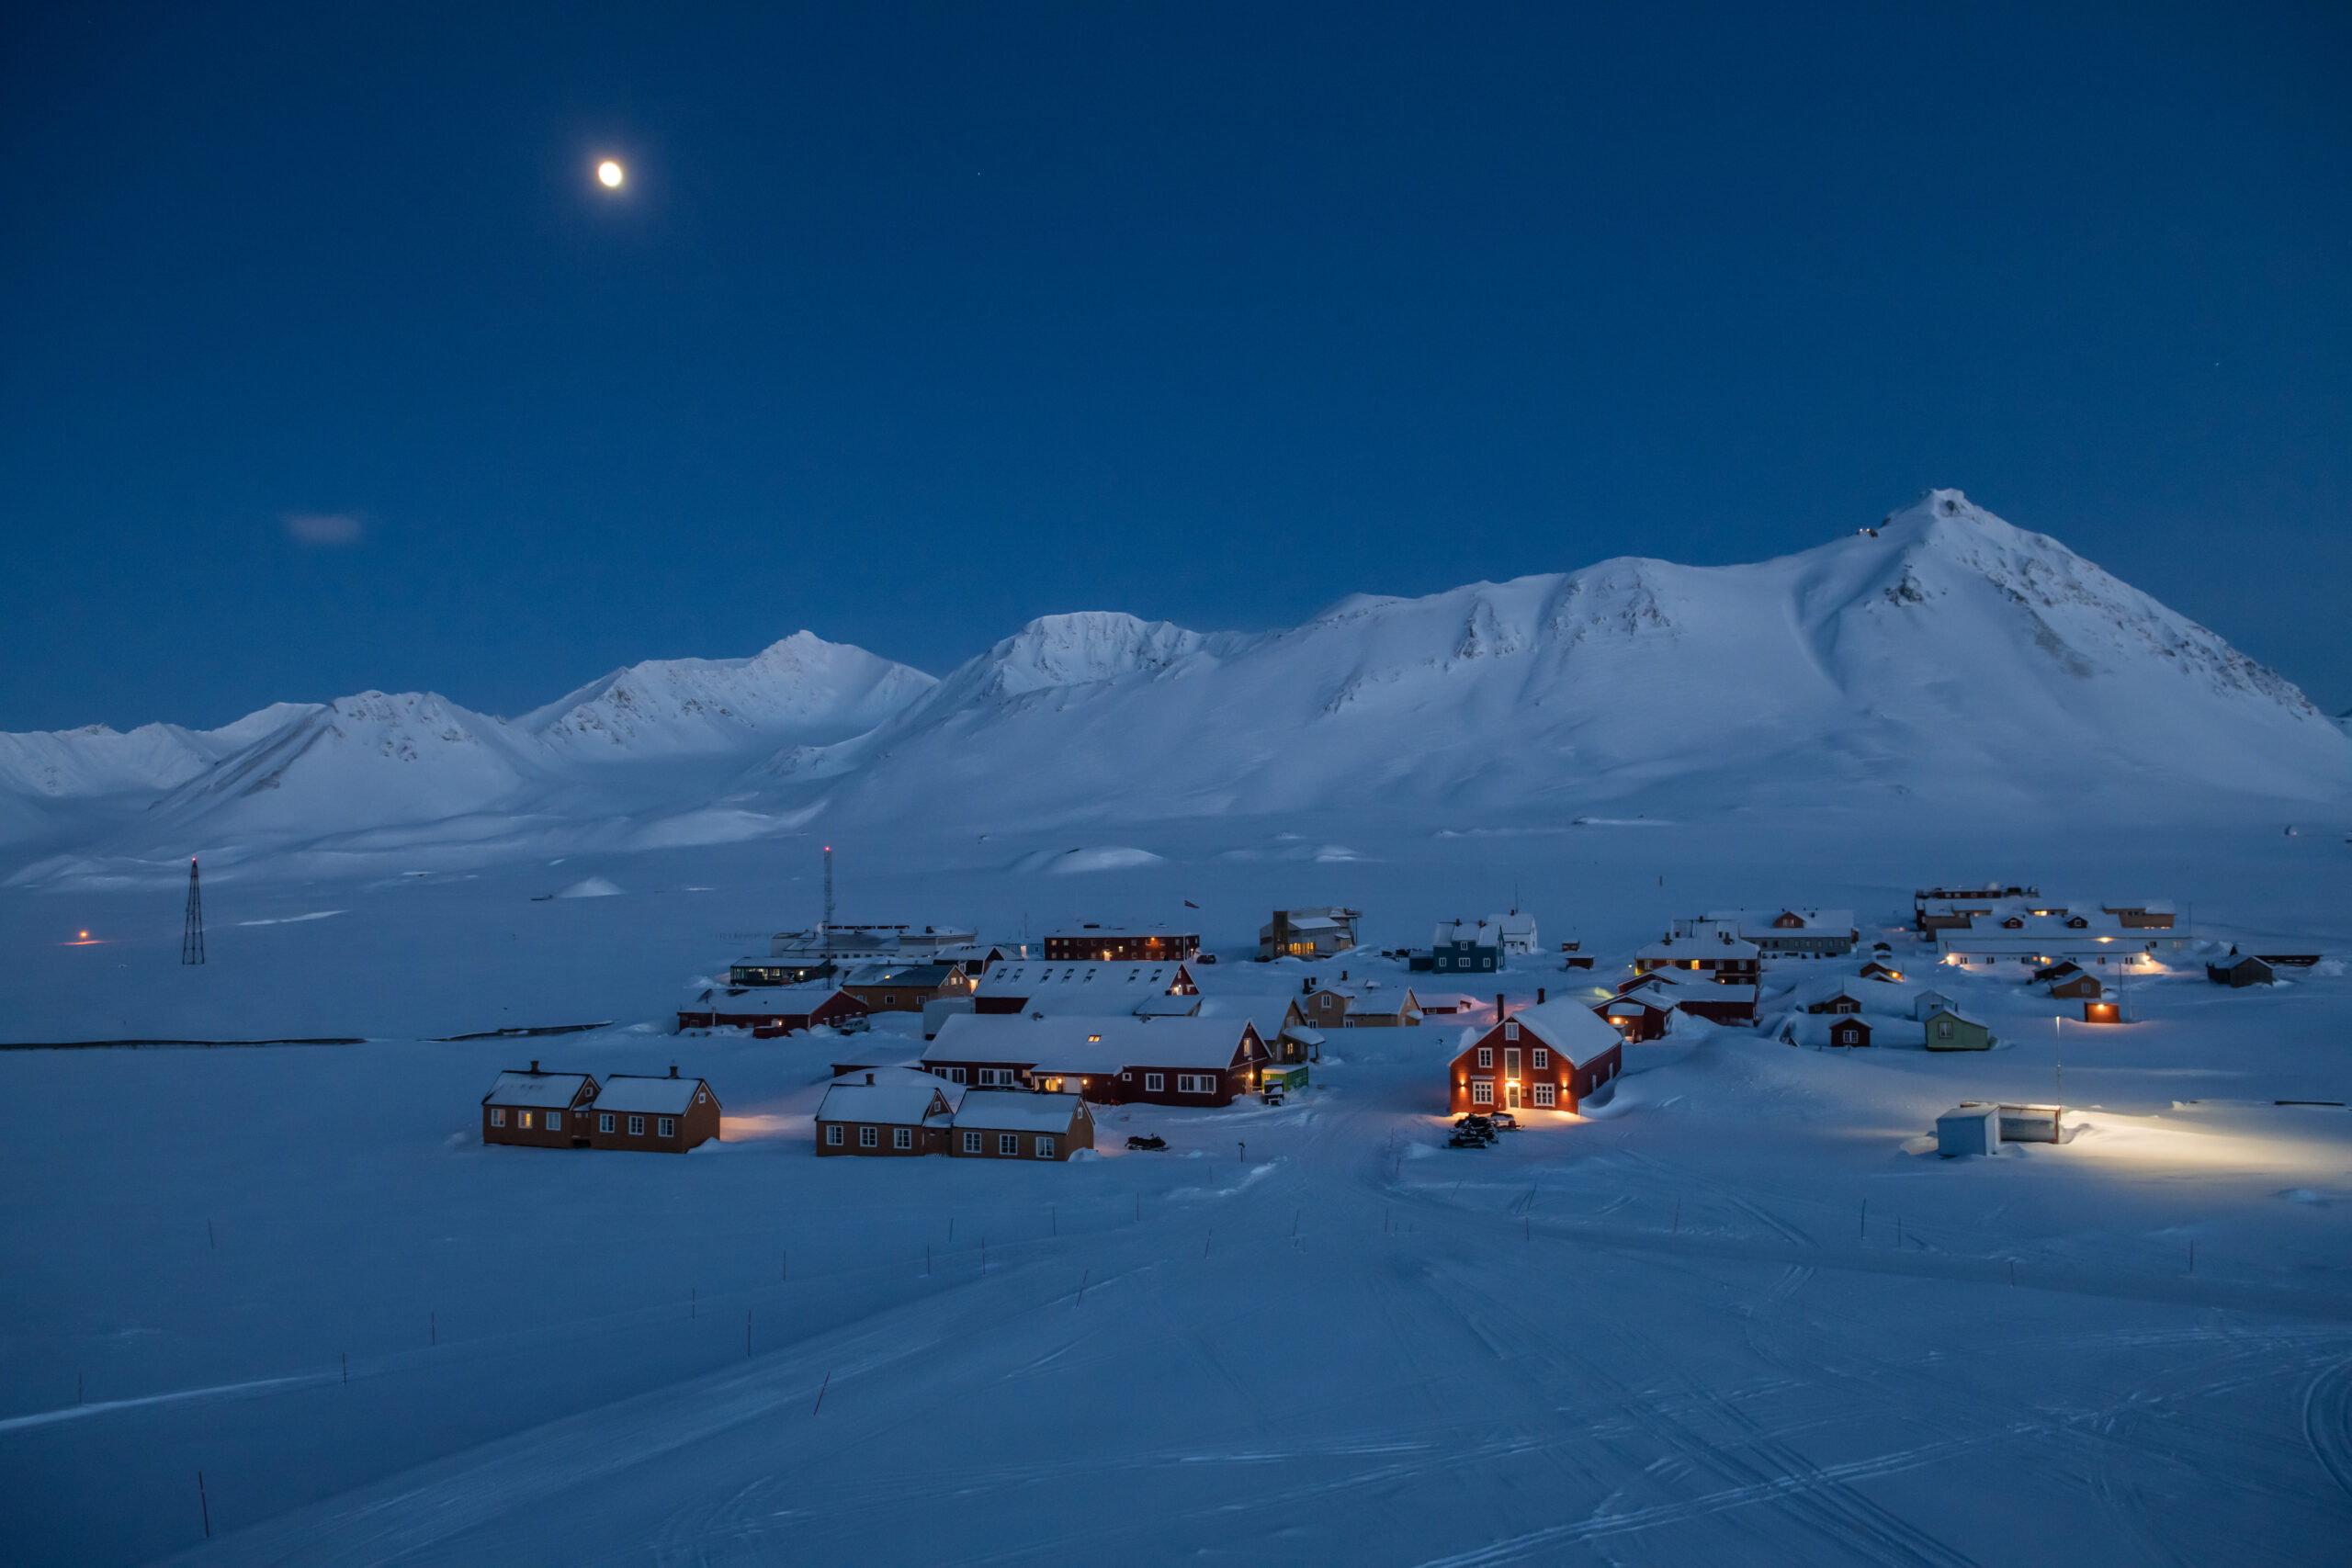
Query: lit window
498,1116
523,1119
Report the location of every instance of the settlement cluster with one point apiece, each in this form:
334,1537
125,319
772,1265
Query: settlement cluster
1022,1041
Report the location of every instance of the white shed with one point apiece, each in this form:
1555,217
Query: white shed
1968,1129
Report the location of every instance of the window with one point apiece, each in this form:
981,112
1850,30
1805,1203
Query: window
902,1138
1545,1096
1486,964
1485,1056
637,1126
1044,1145
498,1116
867,1137
1195,1083
1510,1062
832,1132
523,1119
1482,1091
1943,1029
1443,962
1510,1031
888,1000
1009,1144
1543,1059
603,1122
971,1143
955,1075
1155,1083
669,1126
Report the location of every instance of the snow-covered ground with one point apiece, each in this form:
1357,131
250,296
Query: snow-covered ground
1742,1313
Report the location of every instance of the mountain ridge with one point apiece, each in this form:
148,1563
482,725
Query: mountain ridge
1943,652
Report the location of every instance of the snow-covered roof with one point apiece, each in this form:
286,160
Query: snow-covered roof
554,1091
1091,1045
804,997
910,975
1759,922
1477,933
1568,1027
894,1104
1699,949
1030,977
1166,1006
1017,1110
648,1094
1303,1034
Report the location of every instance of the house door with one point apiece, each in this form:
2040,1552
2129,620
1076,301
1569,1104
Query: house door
1510,1095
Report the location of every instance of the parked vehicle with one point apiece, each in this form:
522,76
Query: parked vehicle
1504,1121
1466,1139
1146,1141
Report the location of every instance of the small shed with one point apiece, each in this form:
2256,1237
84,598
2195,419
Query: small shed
2102,1013
1950,1030
1842,1002
1968,1129
2240,971
1282,1079
2081,985
2026,1123
1850,1032
1875,970
1639,1016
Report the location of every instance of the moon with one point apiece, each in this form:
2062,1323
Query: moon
610,174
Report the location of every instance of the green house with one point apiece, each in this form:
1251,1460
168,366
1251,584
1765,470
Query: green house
1950,1031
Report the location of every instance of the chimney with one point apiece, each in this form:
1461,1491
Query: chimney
1306,986
1538,995
1343,977
534,1060
869,1077
674,1069
1498,1007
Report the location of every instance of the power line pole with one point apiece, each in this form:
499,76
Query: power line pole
829,888
192,932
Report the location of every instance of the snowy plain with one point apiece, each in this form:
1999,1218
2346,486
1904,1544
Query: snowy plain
1740,1314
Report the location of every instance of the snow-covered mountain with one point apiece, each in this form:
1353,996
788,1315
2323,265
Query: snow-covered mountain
1944,656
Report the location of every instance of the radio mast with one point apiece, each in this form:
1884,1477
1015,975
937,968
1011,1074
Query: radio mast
192,932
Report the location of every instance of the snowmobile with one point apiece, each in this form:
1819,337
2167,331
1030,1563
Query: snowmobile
1146,1141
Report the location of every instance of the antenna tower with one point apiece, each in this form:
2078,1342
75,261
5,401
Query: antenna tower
829,887
192,933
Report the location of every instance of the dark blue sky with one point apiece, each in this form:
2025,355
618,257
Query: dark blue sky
913,324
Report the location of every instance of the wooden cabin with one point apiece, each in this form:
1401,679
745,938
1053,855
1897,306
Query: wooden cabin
1552,1057
1638,1015
1088,989
905,987
1021,1126
1875,970
770,1011
2077,987
1849,1033
1842,1002
1946,1030
650,1114
543,1110
887,1112
2240,971
1117,1060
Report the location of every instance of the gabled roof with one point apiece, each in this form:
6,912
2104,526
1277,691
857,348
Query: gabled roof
1571,1028
807,997
909,975
648,1094
553,1091
900,1104
1017,1110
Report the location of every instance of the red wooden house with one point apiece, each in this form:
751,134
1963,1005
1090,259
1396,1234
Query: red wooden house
1552,1057
769,1011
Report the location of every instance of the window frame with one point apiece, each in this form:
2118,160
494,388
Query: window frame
902,1138
833,1136
1539,1059
869,1137
523,1121
1482,1091
1486,1058
974,1142
1545,1096
1008,1145
1155,1083
1045,1145
669,1125
605,1121
498,1116
637,1126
